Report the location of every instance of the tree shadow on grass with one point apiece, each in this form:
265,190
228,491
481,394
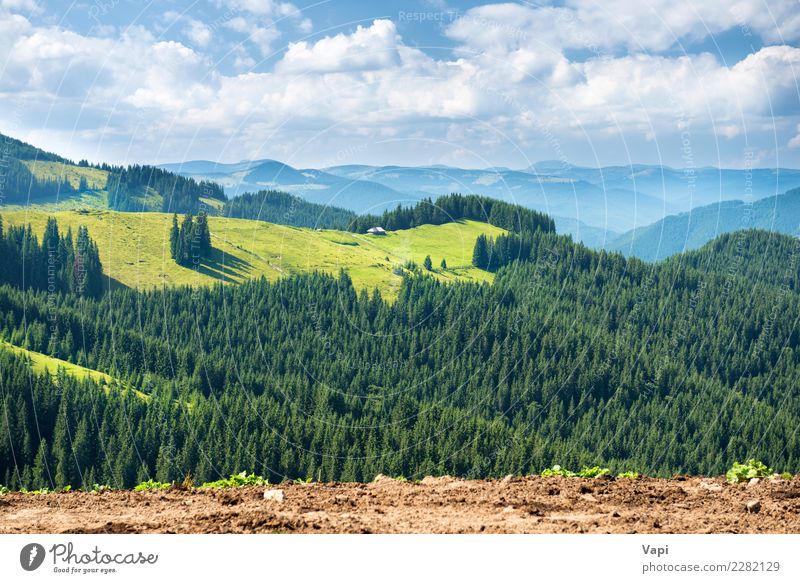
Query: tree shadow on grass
223,266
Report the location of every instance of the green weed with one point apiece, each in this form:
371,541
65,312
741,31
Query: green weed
746,471
152,485
237,481
628,475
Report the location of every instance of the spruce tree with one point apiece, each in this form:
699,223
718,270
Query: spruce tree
480,253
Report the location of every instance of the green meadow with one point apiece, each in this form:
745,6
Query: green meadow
134,249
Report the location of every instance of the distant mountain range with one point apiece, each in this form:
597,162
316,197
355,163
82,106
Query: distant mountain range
686,231
595,205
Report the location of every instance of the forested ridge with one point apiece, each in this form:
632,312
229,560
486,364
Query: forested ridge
128,186
457,207
273,206
571,356
17,184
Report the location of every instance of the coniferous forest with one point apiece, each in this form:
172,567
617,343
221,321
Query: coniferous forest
571,356
286,209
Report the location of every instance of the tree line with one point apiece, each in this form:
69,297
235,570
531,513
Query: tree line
61,263
283,208
457,207
128,188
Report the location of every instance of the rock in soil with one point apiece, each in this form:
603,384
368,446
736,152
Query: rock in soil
273,495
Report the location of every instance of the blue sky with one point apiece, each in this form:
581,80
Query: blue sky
473,84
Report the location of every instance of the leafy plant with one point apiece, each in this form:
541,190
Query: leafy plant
557,470
303,481
39,492
152,485
97,488
237,481
628,475
751,469
4,490
401,478
66,489
787,476
593,472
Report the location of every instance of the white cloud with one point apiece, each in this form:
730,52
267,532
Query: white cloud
795,141
373,47
510,76
197,32
30,6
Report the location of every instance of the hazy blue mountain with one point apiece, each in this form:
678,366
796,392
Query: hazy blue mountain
311,184
605,201
692,230
683,189
595,237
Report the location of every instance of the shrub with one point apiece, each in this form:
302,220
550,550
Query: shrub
237,481
557,471
744,472
152,485
628,475
593,472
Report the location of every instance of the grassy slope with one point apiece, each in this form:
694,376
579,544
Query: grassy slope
43,363
134,249
96,179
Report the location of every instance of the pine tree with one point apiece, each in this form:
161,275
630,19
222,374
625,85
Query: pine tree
444,264
480,253
42,467
175,240
427,263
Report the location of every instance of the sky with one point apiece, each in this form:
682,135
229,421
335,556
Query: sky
469,84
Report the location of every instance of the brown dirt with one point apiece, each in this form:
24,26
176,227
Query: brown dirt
437,505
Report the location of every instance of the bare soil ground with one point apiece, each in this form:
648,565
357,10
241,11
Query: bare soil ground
437,505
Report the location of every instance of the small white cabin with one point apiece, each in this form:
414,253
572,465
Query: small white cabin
376,231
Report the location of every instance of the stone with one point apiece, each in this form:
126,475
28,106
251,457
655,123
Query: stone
273,495
753,506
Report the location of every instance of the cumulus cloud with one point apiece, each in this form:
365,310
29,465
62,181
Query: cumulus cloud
373,47
197,32
509,74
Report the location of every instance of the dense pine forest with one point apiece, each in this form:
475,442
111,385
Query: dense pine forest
60,264
286,209
571,356
129,185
